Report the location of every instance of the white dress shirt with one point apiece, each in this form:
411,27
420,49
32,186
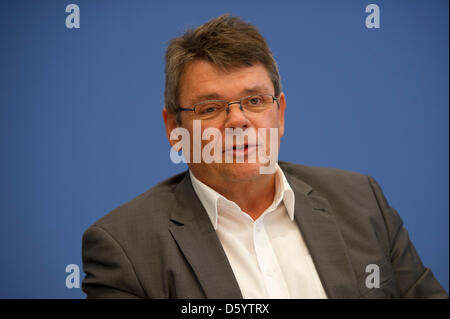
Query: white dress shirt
268,256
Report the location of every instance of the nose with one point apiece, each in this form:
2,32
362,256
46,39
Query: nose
236,117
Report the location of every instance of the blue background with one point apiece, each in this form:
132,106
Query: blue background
81,130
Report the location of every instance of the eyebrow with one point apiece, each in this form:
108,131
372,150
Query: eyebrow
205,97
214,96
256,90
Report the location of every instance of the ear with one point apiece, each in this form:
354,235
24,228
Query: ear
170,123
281,109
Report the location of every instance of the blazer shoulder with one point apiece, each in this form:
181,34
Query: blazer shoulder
149,209
316,176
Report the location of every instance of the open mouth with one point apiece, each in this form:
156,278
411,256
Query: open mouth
244,148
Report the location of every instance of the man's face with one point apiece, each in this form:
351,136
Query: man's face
205,81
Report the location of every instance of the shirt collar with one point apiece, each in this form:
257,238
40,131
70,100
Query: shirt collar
209,197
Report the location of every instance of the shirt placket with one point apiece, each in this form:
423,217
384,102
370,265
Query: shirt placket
268,262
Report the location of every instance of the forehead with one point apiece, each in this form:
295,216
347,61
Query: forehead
203,79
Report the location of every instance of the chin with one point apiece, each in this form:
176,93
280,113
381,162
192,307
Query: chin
241,171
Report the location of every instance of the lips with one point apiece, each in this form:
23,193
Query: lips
243,149
236,147
240,147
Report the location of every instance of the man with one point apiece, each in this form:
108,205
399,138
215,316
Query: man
225,229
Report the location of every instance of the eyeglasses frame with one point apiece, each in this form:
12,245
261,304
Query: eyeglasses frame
274,98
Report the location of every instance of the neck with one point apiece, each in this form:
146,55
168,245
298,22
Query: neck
253,196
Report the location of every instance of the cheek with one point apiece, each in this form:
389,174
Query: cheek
268,121
211,133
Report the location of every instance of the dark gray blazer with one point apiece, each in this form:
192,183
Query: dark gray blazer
163,245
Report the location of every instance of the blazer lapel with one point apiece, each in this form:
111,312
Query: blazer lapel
326,245
198,241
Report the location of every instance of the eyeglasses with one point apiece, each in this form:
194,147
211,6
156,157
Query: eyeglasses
213,109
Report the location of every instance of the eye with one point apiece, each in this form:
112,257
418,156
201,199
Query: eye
209,109
255,100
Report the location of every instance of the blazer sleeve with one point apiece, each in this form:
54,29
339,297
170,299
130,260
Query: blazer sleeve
413,279
109,272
